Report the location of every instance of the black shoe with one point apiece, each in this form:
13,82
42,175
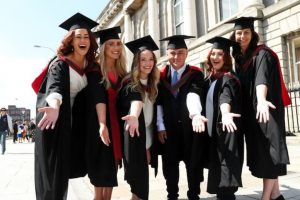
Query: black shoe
280,197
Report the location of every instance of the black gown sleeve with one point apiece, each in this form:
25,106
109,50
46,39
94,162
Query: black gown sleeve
96,89
229,92
56,80
265,68
197,83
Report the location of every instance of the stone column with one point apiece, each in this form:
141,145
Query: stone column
153,21
127,27
189,17
245,4
128,35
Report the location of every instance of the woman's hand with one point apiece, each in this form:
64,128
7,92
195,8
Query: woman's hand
262,113
50,117
104,135
198,123
227,121
132,125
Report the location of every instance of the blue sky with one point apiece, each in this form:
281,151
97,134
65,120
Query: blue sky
25,23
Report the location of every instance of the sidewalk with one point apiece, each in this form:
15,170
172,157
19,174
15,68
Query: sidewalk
17,178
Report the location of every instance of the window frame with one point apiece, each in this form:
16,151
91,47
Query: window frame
180,24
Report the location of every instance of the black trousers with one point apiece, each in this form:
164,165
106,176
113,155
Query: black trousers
171,174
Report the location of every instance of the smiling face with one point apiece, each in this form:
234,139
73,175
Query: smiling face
243,37
217,59
177,57
113,49
146,63
81,42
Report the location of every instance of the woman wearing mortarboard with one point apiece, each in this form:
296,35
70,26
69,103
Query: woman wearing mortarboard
222,108
264,98
60,105
136,107
104,144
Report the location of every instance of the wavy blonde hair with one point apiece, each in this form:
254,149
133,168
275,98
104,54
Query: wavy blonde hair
135,75
120,65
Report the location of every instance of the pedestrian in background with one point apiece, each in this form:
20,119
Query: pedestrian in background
264,98
5,128
15,129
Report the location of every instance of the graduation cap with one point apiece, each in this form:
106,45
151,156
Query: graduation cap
243,22
78,21
177,41
222,43
142,43
107,34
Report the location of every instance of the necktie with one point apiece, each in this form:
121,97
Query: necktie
174,81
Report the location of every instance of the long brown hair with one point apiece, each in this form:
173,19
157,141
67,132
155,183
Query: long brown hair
120,65
227,62
240,58
67,48
153,77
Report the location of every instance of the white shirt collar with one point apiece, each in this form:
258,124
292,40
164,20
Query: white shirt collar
179,71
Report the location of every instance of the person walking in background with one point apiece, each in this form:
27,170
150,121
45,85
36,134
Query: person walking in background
5,128
104,138
223,108
264,98
60,99
175,131
15,131
136,106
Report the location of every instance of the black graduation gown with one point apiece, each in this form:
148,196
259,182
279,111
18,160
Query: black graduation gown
134,148
226,149
101,165
54,155
267,153
182,143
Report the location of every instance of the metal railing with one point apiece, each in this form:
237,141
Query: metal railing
292,112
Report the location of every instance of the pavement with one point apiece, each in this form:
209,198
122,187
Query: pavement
17,178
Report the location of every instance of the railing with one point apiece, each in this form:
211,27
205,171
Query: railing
292,112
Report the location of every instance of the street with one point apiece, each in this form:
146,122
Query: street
17,178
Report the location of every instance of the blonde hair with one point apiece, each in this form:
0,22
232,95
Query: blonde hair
120,65
153,78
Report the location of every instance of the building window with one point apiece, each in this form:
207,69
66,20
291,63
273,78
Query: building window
228,8
294,61
178,16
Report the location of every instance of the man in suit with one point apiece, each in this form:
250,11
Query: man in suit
175,130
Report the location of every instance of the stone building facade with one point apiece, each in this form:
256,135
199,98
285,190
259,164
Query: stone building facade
279,27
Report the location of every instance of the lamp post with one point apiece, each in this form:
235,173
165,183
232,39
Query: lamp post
45,47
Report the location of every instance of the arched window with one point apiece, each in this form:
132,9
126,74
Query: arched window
178,16
228,8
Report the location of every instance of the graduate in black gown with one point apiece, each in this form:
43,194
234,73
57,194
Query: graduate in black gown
60,104
222,108
137,108
104,144
175,131
264,98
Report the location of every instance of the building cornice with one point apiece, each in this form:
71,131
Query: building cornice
109,12
115,7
